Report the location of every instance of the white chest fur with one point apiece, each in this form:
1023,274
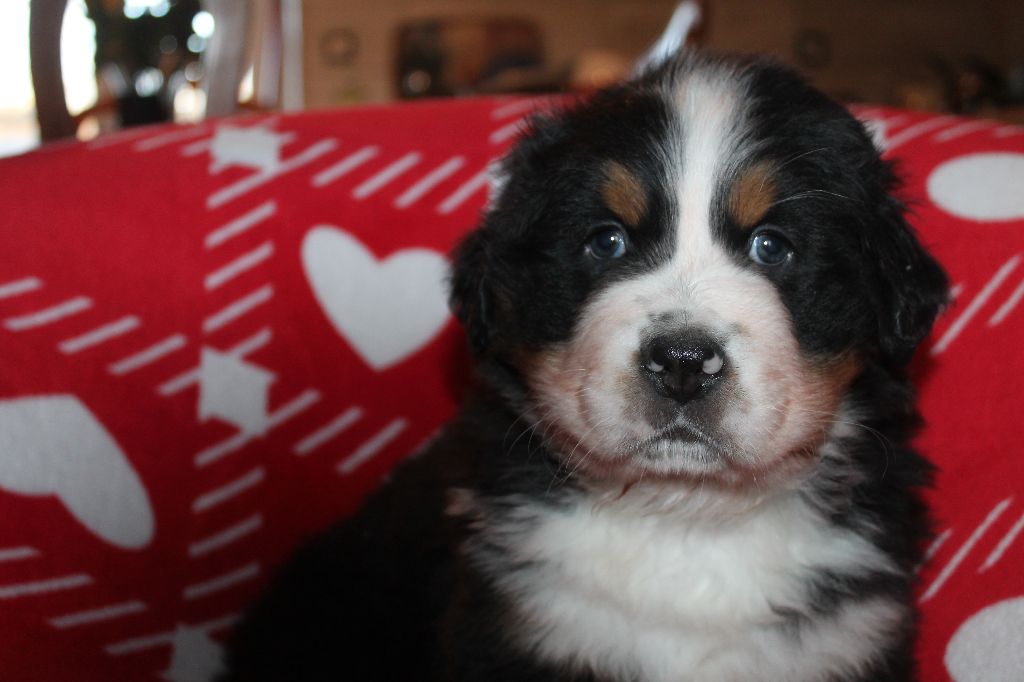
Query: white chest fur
661,597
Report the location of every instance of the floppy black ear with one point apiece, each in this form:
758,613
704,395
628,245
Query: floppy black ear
481,277
911,287
470,298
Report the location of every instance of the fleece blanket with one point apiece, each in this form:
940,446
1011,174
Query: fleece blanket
216,339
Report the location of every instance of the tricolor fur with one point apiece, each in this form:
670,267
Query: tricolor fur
749,512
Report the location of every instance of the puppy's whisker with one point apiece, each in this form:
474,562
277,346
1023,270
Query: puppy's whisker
579,441
504,439
795,158
529,429
888,448
810,194
576,468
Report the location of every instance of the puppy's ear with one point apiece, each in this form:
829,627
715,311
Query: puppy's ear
911,288
470,297
481,277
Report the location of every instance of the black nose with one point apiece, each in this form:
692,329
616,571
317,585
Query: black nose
683,367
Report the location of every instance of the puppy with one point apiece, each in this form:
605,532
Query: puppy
692,302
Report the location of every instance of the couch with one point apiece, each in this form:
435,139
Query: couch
216,339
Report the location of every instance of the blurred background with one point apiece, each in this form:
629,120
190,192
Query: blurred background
79,68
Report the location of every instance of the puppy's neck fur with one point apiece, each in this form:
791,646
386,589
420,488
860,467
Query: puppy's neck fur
687,583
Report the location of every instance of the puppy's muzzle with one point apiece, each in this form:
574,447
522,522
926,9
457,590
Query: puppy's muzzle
684,366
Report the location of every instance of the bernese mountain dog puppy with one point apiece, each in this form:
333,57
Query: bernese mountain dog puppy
693,299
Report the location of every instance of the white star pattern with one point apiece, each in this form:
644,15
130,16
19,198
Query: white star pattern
233,390
194,657
252,147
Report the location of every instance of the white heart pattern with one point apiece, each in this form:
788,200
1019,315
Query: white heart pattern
53,445
987,647
386,309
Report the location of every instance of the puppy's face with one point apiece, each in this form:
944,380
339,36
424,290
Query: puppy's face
685,274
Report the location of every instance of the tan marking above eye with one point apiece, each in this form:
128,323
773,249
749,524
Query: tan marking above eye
752,194
624,194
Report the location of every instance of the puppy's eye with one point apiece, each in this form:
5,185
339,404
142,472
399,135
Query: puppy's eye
609,242
768,247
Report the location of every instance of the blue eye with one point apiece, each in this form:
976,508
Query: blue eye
608,243
768,247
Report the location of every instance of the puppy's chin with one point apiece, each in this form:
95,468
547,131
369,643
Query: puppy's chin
683,450
680,458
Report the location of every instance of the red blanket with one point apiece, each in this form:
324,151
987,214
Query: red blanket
216,339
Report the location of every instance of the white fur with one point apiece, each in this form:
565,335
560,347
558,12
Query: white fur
636,592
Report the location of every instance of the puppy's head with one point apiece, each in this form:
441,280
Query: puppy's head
682,276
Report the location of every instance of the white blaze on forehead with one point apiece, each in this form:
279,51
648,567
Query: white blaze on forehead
708,121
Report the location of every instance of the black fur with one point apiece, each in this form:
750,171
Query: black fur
399,592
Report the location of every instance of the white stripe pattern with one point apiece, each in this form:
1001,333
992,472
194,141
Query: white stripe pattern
507,131
238,308
221,582
282,414
118,137
372,447
328,431
136,644
226,536
893,120
307,156
384,177
229,490
429,181
512,108
934,548
1003,545
246,261
464,192
936,545
98,615
962,129
20,286
345,166
240,224
975,305
1007,131
67,582
148,356
961,554
18,553
252,343
101,334
220,450
916,130
1008,305
293,407
41,318
164,139
197,148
